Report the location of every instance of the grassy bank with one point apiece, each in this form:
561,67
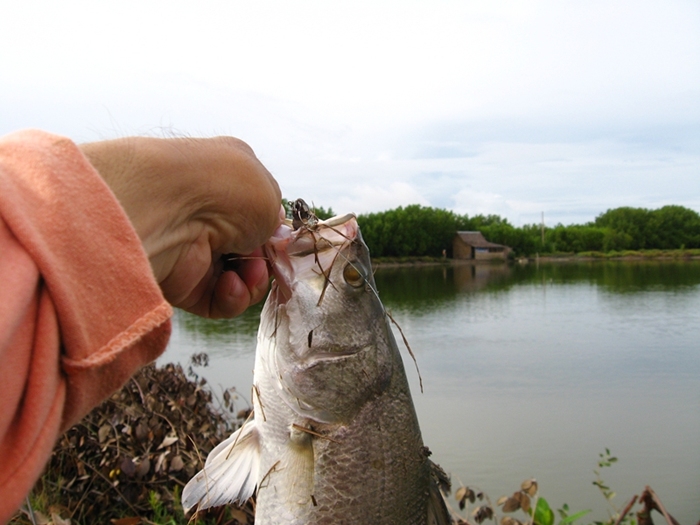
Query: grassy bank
643,254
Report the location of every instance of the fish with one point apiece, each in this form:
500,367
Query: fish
334,437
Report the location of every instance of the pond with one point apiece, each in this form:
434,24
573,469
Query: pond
533,371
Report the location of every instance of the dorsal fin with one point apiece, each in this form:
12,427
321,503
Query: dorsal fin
229,474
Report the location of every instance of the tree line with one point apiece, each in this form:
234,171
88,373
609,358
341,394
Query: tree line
424,231
416,230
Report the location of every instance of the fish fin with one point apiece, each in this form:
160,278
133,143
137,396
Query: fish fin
230,473
437,509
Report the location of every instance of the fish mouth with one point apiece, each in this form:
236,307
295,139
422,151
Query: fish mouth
325,355
308,251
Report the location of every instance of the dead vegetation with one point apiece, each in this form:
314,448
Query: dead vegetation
127,461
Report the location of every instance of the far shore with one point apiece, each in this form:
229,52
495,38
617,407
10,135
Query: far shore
652,255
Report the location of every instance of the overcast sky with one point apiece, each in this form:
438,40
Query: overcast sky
513,108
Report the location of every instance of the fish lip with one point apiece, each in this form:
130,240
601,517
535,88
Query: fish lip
287,249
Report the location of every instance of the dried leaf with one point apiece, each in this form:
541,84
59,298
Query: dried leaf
176,464
103,432
501,500
143,468
160,461
128,467
461,497
482,513
529,487
141,431
512,504
169,440
524,501
132,411
461,493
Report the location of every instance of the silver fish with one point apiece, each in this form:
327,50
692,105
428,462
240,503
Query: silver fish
335,438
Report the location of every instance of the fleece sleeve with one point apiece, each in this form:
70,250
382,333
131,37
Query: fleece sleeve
80,310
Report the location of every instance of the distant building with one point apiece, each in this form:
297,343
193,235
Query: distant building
473,245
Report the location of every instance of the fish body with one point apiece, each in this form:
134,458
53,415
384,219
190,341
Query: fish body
335,437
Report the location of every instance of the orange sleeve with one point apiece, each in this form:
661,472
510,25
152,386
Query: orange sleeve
80,310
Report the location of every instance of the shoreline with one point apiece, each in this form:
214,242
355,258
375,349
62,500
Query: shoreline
569,258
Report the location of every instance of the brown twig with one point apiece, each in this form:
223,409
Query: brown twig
626,510
138,387
309,431
652,502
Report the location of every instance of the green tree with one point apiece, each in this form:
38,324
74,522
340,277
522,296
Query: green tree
577,238
411,231
633,222
674,227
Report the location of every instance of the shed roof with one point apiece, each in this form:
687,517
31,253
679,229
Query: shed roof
477,240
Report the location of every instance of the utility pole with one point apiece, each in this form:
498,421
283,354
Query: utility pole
542,229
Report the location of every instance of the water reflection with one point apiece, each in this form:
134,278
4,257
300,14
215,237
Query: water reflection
614,276
424,288
478,277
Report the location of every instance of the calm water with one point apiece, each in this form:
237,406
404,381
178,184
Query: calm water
533,371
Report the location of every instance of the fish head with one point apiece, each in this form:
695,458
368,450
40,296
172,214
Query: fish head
324,332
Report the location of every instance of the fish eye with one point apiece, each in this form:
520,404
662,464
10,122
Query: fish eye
353,276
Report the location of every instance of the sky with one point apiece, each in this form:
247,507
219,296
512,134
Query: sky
561,108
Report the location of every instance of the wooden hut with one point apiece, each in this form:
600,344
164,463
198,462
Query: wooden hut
473,245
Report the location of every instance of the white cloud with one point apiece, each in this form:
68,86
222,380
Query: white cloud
367,198
481,203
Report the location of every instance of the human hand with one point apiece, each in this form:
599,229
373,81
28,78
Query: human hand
191,201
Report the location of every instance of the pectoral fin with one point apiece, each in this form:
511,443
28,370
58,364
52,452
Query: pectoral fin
229,474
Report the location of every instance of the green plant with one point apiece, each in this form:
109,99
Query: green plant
570,518
160,513
606,460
